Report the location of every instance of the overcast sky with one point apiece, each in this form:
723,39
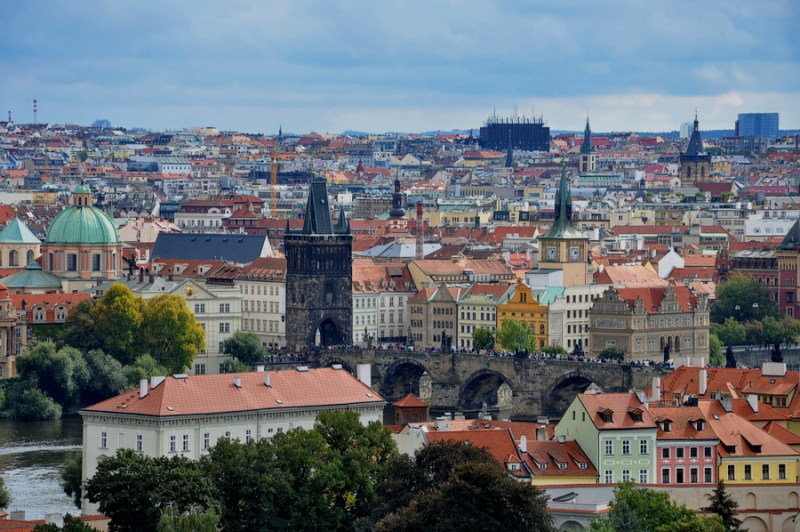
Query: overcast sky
330,66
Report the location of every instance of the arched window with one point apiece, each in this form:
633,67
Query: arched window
50,262
702,171
688,171
72,262
29,256
13,258
95,262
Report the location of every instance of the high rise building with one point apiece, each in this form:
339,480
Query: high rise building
527,134
759,125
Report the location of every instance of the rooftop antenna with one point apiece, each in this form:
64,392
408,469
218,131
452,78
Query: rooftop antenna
35,111
9,115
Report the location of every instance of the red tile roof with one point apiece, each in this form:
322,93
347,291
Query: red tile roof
499,443
621,404
214,394
411,401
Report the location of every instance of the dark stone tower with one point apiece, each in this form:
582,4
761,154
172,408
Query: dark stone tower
397,211
588,156
695,162
319,276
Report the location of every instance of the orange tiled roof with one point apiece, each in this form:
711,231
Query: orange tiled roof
651,297
783,434
499,443
410,401
621,404
213,394
552,453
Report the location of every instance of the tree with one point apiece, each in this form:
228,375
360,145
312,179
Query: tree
33,405
791,330
194,519
554,350
695,523
724,506
62,374
118,316
754,333
245,347
5,496
754,301
730,332
144,368
171,333
461,504
71,524
79,329
514,335
715,356
108,377
72,477
483,338
612,353
130,488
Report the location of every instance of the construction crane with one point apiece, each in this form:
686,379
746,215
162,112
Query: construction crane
273,181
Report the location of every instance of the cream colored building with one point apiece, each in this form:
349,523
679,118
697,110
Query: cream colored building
263,287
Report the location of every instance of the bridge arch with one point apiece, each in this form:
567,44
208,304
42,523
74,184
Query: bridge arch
330,362
404,376
485,386
560,394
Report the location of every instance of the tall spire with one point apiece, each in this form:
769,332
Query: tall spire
587,146
562,225
695,142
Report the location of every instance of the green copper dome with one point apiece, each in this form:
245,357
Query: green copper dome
82,189
82,225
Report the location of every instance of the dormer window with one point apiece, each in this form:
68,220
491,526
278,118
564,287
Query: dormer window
583,465
562,465
607,416
542,465
636,415
513,466
667,426
700,425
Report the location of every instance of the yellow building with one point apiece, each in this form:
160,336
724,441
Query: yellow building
522,306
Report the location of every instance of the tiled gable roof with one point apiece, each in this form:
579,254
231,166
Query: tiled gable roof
619,404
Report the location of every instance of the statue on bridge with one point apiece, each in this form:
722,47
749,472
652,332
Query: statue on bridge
577,351
447,342
777,356
666,353
730,361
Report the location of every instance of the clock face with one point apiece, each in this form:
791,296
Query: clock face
574,253
551,253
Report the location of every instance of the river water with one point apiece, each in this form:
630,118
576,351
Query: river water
31,456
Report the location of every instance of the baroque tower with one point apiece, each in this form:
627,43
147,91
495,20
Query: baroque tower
588,155
319,275
564,247
695,162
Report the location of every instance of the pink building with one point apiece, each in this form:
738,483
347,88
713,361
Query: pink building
686,447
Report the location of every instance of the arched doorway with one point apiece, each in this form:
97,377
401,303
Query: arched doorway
328,334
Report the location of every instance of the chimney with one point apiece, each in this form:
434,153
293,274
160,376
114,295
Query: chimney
561,439
54,519
260,369
752,400
142,388
266,380
727,402
523,444
237,381
640,395
541,433
656,388
17,515
364,373
156,380
703,384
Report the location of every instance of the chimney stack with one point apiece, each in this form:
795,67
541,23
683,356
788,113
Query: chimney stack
752,400
237,381
656,388
703,384
266,380
727,402
364,373
142,388
523,444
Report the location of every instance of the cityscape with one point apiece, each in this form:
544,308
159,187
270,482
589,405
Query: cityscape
388,282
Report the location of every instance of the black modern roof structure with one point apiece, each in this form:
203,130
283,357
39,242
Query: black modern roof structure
239,249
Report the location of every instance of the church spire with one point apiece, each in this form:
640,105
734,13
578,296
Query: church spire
562,225
695,142
587,146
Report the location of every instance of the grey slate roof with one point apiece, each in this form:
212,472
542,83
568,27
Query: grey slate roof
239,249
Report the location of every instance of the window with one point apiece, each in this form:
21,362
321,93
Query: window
199,369
173,444
643,476
139,443
626,447
665,476
185,442
248,436
693,452
72,262
104,440
700,425
222,347
609,477
609,447
95,263
707,452
679,452
781,471
731,472
206,440
643,447
764,471
693,476
679,476
224,327
748,472
199,308
227,434
225,307
707,478
626,475
665,452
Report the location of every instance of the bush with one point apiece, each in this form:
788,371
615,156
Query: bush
554,350
612,353
34,405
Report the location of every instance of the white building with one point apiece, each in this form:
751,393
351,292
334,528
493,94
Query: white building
172,416
174,165
263,288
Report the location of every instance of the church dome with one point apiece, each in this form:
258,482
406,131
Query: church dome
82,225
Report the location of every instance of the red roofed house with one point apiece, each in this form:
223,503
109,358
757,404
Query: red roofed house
34,311
185,415
650,323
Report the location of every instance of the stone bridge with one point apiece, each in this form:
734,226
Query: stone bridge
460,382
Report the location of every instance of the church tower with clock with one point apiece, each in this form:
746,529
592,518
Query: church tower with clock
564,247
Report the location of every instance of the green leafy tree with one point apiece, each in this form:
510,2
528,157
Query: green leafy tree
773,330
171,332
194,519
723,505
71,524
79,329
108,377
554,350
34,405
245,346
791,330
753,299
145,367
72,477
754,333
483,338
612,353
5,496
118,317
62,374
715,355
730,332
131,488
234,366
461,504
515,335
696,523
